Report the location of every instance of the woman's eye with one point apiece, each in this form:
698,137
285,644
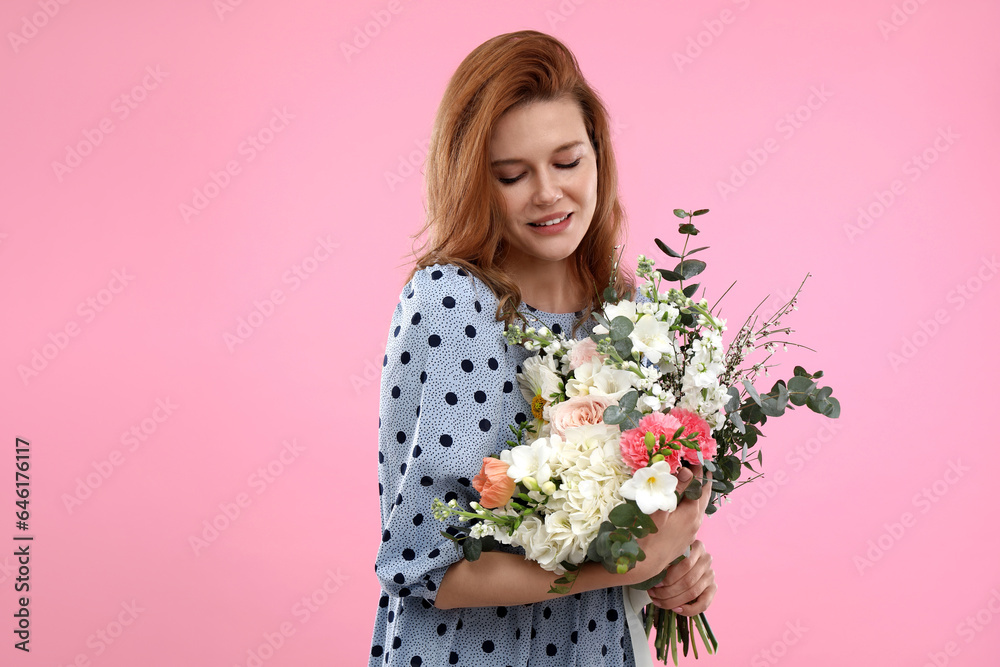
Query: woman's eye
515,179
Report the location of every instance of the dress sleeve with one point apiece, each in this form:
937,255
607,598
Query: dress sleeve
440,410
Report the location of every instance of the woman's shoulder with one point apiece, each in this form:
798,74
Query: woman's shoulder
448,288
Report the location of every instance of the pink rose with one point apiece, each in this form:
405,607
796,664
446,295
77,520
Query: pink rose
579,411
695,426
582,352
633,441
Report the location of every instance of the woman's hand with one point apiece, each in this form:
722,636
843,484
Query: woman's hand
675,530
689,586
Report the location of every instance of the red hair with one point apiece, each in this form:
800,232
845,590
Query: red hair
465,209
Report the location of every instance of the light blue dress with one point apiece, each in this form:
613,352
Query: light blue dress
448,393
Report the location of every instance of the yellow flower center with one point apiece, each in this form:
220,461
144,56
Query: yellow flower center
537,404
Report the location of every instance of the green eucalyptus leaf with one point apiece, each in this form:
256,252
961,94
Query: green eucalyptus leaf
621,327
752,391
613,415
700,211
624,347
472,547
799,388
833,410
628,400
609,294
624,514
688,228
665,248
680,213
670,275
737,422
691,289
691,252
734,399
689,268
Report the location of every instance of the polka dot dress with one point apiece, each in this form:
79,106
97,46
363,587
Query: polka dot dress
449,390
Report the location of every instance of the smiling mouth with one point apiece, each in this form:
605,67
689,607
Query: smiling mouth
549,223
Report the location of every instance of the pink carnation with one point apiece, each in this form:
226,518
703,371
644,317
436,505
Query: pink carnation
697,427
633,441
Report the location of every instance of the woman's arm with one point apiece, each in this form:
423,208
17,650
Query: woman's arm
500,578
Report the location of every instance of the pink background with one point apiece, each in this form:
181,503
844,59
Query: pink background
873,543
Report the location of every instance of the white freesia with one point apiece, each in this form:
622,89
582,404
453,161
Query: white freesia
652,488
596,378
652,338
529,461
613,310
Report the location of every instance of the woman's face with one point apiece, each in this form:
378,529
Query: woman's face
547,170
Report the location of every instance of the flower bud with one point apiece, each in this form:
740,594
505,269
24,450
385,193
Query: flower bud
531,483
548,488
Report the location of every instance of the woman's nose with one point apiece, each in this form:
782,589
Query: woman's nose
547,191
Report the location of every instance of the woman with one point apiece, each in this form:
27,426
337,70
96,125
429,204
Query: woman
522,209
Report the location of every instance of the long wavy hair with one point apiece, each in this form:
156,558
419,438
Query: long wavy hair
465,208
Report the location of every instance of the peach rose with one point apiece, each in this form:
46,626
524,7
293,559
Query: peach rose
582,352
495,487
579,411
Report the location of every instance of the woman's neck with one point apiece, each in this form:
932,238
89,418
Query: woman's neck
551,287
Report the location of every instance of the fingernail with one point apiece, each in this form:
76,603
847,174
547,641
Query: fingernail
677,610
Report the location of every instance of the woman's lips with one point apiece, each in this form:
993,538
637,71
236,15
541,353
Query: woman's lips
548,228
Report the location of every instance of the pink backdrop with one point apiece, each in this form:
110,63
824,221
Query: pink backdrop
206,215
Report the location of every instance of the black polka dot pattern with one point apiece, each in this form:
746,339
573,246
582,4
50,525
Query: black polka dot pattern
448,392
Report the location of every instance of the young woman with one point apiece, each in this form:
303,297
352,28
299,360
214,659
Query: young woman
523,214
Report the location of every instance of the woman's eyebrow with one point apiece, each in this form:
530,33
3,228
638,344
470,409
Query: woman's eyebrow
571,144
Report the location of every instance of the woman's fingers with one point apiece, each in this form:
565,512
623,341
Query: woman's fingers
699,604
684,477
681,586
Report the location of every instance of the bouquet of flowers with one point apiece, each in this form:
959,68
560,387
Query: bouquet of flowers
613,418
